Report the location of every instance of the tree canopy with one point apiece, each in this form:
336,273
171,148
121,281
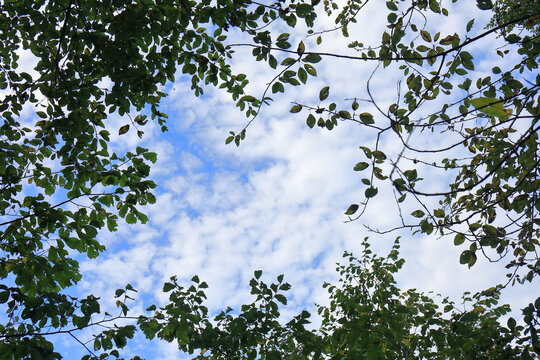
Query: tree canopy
61,184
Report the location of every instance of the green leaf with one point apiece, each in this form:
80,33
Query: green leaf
123,129
391,6
371,192
490,106
310,70
352,209
168,287
344,114
425,35
470,25
301,48
310,121
323,94
258,274
361,166
367,118
302,75
4,296
312,58
296,108
426,227
466,60
418,213
459,239
277,87
272,61
439,213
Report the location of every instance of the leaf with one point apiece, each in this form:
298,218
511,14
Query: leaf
470,25
425,35
168,287
490,106
4,296
459,239
277,87
124,129
310,121
439,213
302,75
301,48
323,94
448,40
484,4
282,299
371,192
426,227
361,166
258,274
272,61
418,213
367,118
296,108
344,114
466,60
310,70
312,58
352,209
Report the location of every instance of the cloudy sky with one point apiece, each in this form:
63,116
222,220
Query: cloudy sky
275,203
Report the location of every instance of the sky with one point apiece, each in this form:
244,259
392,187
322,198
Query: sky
275,203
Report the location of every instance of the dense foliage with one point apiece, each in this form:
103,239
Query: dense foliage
61,184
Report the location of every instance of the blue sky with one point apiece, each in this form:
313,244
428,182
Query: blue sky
275,203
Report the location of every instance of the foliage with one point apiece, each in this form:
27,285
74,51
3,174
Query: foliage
61,183
484,125
368,318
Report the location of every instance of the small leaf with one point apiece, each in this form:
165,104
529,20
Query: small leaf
344,114
361,166
302,75
277,87
470,25
312,58
425,35
310,121
418,213
258,274
301,48
459,239
352,209
168,287
439,213
490,106
310,70
366,118
371,192
124,129
323,94
296,108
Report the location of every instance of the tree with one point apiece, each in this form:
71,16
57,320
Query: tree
487,127
61,157
368,318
